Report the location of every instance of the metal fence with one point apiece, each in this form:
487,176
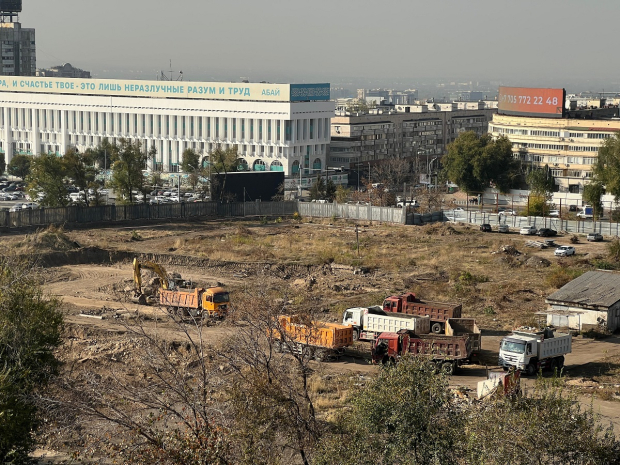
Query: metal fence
517,222
115,213
357,212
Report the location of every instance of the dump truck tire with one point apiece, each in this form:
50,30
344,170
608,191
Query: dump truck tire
437,328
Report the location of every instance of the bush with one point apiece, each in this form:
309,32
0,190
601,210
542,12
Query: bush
613,249
574,239
562,276
297,217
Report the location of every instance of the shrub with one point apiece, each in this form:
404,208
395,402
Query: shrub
561,276
613,249
574,239
297,217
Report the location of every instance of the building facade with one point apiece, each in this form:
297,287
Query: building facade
66,70
278,127
19,55
418,132
568,146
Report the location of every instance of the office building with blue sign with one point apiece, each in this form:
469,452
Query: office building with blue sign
275,127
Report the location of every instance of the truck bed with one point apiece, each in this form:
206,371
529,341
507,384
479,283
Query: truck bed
185,299
441,347
394,322
465,327
316,333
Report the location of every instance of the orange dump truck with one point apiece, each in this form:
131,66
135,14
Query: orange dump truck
196,303
319,339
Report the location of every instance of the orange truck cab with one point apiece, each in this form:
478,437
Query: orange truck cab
215,301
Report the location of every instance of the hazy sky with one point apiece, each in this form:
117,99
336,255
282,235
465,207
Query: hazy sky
331,41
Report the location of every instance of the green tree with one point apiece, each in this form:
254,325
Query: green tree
342,194
127,169
330,190
30,329
592,194
2,163
606,170
404,415
47,173
476,162
19,166
546,426
78,170
222,161
540,181
191,161
317,190
103,154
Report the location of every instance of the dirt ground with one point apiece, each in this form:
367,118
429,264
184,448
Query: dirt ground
499,281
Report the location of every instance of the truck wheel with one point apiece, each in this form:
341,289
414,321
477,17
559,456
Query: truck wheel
437,328
448,368
530,370
554,365
356,335
561,362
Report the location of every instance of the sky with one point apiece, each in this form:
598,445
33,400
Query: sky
528,42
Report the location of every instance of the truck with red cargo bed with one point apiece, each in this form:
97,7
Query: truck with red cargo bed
438,312
448,352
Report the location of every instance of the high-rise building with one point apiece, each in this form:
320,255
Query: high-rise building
19,57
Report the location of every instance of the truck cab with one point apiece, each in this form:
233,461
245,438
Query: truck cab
215,301
532,351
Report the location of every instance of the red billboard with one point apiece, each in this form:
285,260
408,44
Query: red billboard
528,101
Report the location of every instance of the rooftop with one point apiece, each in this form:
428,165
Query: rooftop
591,289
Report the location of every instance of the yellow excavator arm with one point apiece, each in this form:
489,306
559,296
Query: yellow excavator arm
159,270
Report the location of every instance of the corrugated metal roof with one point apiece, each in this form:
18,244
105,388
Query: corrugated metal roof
593,289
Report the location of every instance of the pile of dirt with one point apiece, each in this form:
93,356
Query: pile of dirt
52,238
439,229
508,250
537,262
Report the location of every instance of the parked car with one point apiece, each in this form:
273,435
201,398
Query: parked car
503,228
16,208
594,237
507,213
30,206
554,213
528,230
564,251
547,232
486,227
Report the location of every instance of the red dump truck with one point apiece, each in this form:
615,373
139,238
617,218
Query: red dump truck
438,312
466,327
196,303
319,339
449,352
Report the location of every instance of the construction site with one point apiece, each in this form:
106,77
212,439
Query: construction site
198,274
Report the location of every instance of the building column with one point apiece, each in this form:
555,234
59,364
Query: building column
64,133
8,135
36,136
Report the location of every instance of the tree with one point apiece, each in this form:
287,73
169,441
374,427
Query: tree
2,163
77,168
342,194
19,166
330,190
592,194
222,162
546,426
191,161
47,173
103,154
606,170
317,190
476,162
541,181
404,415
30,329
393,173
127,169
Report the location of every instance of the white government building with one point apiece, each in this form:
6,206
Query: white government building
276,127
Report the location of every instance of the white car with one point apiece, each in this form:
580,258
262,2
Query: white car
15,208
564,251
528,230
503,228
554,213
508,213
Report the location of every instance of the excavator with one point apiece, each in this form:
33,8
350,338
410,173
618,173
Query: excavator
159,270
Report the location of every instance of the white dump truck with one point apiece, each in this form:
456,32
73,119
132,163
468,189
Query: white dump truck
369,322
532,351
